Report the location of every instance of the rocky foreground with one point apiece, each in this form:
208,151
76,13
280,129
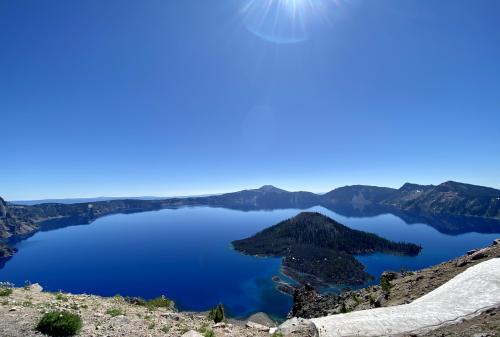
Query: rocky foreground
21,310
401,288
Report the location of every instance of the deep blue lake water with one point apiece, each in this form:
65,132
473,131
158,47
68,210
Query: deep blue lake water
186,254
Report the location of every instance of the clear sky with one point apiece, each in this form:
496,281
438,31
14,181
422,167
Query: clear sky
167,97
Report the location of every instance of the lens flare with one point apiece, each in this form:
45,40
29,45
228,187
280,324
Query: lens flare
282,21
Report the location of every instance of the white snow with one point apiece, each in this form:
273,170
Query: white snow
463,297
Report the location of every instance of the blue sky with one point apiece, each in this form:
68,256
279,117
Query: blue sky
157,97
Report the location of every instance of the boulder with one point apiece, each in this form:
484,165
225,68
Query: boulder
298,327
257,326
192,333
391,275
481,254
379,301
261,318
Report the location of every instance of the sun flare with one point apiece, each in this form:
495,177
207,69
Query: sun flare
284,21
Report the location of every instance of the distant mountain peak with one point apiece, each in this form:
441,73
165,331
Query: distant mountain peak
270,188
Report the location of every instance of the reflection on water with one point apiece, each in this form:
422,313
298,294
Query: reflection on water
186,254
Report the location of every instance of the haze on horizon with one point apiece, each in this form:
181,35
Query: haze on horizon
168,98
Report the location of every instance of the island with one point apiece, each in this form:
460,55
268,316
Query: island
318,250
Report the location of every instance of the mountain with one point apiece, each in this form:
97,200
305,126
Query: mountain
78,200
266,197
410,201
452,198
357,194
406,193
449,198
314,244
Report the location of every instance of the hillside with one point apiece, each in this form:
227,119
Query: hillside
316,245
357,194
266,197
411,201
457,199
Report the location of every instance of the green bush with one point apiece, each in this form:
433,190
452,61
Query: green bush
343,308
159,302
385,284
59,323
61,297
4,291
217,314
277,334
209,333
113,312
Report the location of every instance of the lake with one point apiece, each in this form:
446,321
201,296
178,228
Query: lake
186,255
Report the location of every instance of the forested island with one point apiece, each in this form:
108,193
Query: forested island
319,250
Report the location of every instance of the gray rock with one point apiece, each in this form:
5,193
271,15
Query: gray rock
36,288
3,208
379,301
391,275
298,327
481,254
192,333
257,326
261,318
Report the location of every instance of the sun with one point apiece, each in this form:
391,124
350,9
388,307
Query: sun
283,21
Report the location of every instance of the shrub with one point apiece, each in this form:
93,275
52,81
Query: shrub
59,323
385,284
217,314
277,334
159,302
209,333
113,312
4,291
343,308
61,297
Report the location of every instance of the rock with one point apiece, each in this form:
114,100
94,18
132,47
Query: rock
496,242
391,275
13,309
3,208
307,303
192,333
272,330
379,301
298,327
461,263
472,251
481,254
36,288
120,320
261,318
257,326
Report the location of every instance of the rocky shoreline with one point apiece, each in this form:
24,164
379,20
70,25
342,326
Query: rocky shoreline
399,288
